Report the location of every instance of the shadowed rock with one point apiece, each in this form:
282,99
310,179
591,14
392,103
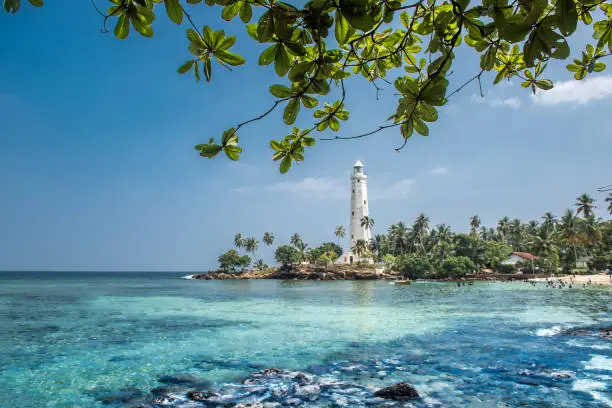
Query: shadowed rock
400,391
201,396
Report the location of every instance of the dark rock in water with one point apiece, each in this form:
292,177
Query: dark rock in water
303,378
121,397
170,389
201,396
249,405
179,379
400,391
605,332
187,380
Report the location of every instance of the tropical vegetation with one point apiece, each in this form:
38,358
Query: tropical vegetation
419,249
315,46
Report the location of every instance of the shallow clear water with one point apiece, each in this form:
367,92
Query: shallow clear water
67,339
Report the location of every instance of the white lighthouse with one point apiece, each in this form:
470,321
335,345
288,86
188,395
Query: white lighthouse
359,209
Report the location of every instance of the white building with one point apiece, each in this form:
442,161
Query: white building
359,209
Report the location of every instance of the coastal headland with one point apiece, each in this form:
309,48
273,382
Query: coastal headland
303,272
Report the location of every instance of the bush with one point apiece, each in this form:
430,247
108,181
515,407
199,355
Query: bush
413,266
327,248
458,266
231,260
287,255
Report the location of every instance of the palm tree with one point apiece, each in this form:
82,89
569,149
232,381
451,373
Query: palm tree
502,228
296,240
584,204
591,229
340,233
238,241
367,222
360,248
268,238
251,245
474,223
420,230
550,222
609,200
570,230
398,237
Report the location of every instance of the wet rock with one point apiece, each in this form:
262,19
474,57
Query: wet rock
293,401
249,405
400,391
303,378
271,404
201,396
606,332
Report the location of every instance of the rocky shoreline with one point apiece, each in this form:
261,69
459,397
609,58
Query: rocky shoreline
302,272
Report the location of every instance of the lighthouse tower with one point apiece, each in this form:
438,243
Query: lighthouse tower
359,209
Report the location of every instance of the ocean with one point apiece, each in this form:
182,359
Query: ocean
108,339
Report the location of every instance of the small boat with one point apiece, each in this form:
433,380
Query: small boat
402,282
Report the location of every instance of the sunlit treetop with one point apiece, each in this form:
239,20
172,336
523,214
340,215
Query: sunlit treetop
313,48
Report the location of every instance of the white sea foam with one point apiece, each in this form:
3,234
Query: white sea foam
599,363
575,343
188,277
592,387
549,332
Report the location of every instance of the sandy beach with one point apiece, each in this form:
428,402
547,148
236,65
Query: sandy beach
598,279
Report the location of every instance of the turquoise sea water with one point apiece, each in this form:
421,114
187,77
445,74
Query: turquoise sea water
88,340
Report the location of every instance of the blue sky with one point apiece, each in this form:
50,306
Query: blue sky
98,170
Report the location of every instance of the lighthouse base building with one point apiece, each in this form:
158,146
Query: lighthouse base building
359,232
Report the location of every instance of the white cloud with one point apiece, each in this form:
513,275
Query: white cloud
513,102
313,187
577,92
438,170
399,189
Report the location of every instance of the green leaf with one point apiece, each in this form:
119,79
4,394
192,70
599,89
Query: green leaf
229,138
276,145
210,150
144,29
407,129
174,10
334,124
282,63
231,10
281,91
487,60
428,112
122,28
434,95
229,57
308,141
291,111
36,3
208,36
420,127
207,69
267,56
545,84
11,6
233,152
567,16
285,164
309,101
246,12
343,30
226,43
186,67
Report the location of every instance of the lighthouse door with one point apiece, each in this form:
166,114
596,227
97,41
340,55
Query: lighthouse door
351,259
